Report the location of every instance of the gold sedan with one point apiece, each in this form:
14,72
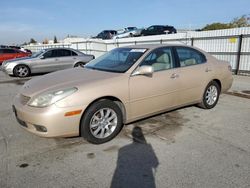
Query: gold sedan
123,85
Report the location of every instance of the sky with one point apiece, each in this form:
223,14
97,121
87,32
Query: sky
21,20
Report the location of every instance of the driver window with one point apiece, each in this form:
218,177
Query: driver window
159,59
48,54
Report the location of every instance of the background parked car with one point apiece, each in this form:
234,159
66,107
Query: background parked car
9,53
47,60
158,30
106,34
128,32
21,49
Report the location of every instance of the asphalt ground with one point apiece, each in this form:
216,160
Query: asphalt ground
188,147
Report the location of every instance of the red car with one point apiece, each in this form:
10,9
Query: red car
8,53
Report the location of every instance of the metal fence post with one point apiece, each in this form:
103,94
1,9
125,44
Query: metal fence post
192,41
238,55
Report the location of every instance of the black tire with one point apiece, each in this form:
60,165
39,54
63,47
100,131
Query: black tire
79,64
88,133
21,71
206,103
131,35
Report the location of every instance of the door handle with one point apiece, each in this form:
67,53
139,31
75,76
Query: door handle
208,70
174,75
56,59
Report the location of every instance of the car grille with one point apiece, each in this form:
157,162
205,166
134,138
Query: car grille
24,99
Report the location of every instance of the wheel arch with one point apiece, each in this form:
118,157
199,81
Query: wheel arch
21,64
218,82
78,62
111,98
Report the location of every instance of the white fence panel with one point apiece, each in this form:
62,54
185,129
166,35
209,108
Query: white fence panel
223,44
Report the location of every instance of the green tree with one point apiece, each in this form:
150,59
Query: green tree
215,26
243,21
32,41
55,39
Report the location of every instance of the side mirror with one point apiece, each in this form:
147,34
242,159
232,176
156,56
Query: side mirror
42,57
143,70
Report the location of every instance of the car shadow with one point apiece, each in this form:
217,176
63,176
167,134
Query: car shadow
136,164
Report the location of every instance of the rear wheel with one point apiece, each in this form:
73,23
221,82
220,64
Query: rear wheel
210,96
79,64
21,71
101,122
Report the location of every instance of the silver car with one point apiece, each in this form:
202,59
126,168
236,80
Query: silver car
128,32
47,60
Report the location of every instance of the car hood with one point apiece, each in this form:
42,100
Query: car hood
75,77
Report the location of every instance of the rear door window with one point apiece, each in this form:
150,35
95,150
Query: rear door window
64,53
189,56
9,51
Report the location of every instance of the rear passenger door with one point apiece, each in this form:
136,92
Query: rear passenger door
65,59
194,74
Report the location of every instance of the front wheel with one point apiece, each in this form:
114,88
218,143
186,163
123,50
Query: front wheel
210,96
101,122
21,71
79,64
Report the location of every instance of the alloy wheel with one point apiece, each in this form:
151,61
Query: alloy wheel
103,123
211,95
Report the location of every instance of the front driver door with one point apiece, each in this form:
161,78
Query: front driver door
158,92
46,63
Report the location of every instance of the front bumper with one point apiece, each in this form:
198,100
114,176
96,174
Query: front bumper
49,121
8,71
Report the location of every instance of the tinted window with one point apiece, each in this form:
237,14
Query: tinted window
188,56
131,28
51,53
73,53
151,28
9,51
161,28
63,53
160,59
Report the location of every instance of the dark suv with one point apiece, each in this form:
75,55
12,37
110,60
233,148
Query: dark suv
106,34
158,30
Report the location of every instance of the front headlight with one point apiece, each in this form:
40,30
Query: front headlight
49,98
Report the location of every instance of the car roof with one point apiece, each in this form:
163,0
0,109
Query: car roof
154,46
109,30
61,49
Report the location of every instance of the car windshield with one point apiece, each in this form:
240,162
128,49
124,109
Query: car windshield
37,53
118,60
